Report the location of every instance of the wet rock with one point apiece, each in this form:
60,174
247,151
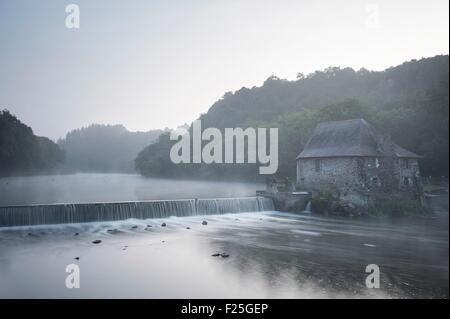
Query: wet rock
147,229
215,255
97,241
163,225
148,226
342,208
188,227
204,222
224,255
76,234
113,231
77,258
134,227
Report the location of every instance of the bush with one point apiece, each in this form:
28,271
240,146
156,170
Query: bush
397,206
323,202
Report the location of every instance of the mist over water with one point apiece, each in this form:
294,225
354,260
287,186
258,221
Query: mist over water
271,254
89,188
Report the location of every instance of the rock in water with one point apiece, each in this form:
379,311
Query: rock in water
163,225
97,241
224,255
77,258
215,255
134,227
204,222
188,227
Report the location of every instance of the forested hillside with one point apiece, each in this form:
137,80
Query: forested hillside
104,148
409,101
23,152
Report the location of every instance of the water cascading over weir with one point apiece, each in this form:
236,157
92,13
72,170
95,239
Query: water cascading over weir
95,212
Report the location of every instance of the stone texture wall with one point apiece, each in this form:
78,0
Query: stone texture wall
355,179
334,174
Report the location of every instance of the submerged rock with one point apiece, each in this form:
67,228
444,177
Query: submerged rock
97,241
204,222
134,227
223,255
163,225
76,234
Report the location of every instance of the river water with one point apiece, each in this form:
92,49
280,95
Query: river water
88,188
271,254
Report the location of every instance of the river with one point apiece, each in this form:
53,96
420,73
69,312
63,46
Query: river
270,254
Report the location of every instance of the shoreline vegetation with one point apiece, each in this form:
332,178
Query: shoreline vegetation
328,204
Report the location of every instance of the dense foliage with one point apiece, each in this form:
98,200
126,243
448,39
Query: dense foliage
410,102
104,148
22,151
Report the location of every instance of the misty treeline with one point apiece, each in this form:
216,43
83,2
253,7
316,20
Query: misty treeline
409,102
96,148
104,148
22,151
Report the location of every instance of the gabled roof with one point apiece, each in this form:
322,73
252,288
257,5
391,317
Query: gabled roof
348,138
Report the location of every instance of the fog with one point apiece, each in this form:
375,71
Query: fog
88,188
156,64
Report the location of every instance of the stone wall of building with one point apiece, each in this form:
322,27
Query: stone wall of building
333,174
355,179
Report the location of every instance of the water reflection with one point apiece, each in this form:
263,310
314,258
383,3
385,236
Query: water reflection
271,255
333,253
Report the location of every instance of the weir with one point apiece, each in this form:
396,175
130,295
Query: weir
95,212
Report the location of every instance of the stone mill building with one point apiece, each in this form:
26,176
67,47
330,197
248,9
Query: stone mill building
353,159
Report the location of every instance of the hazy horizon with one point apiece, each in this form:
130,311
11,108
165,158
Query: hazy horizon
151,65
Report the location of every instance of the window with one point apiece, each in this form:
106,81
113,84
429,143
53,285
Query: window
406,181
317,165
405,163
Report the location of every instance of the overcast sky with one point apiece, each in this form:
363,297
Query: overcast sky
155,64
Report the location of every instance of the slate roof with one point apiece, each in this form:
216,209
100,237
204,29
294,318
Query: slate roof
348,138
